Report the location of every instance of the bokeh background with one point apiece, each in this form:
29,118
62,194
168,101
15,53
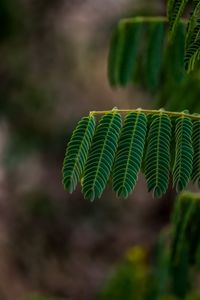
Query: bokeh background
52,72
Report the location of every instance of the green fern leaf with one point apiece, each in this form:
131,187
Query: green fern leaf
132,30
157,163
193,25
175,51
185,241
155,45
192,55
101,156
182,168
129,154
176,9
182,207
123,53
113,58
77,152
186,222
196,147
192,32
91,154
192,44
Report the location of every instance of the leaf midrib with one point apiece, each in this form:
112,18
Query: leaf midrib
158,150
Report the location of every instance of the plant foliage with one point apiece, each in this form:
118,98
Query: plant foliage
129,153
173,270
137,53
77,152
157,164
183,153
175,11
130,280
185,242
101,156
186,227
116,152
124,50
138,43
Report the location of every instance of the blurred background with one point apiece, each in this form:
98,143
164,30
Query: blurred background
53,72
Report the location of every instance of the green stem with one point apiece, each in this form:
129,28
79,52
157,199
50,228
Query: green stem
148,112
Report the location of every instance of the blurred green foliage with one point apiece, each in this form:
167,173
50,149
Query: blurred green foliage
141,53
130,278
173,271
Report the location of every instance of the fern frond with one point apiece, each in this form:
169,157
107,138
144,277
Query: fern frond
183,153
179,258
123,52
175,52
192,39
181,209
157,165
155,45
196,147
141,53
95,155
192,55
181,99
175,11
193,25
101,156
77,152
186,224
129,154
132,33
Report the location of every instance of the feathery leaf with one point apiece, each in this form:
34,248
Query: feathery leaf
101,156
175,11
157,164
132,32
124,51
129,154
192,55
154,55
196,147
175,54
182,168
77,152
93,156
186,225
193,24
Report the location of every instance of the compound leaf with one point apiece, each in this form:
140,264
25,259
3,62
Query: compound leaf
196,147
182,168
77,152
129,154
101,156
157,164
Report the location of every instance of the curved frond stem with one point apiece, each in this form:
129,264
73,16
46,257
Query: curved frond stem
149,112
